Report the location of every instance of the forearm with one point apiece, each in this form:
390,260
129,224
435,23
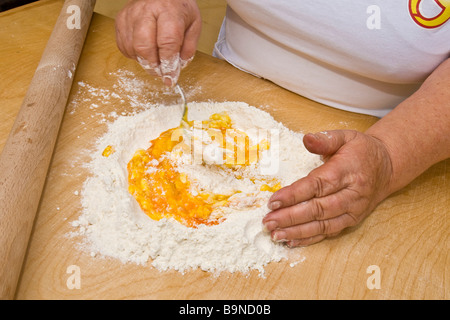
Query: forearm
417,132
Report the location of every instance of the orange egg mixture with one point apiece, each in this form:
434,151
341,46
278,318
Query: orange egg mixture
163,192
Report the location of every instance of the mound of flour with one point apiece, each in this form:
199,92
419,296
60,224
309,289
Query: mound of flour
113,225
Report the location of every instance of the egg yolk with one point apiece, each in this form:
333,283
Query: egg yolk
163,192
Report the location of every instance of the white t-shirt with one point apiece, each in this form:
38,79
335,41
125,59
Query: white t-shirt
363,56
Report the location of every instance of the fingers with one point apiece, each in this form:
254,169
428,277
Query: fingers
316,209
322,181
189,46
176,46
144,45
306,241
124,34
320,204
161,35
170,36
324,143
311,221
312,231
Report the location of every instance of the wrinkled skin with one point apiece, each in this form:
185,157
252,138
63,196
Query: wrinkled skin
336,195
161,35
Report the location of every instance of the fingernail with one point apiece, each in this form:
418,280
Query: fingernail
184,63
274,205
170,65
292,244
270,225
167,81
143,62
326,134
279,236
151,68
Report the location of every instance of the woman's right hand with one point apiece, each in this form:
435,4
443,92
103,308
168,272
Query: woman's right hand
161,35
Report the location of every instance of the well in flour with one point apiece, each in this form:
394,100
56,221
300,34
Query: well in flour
113,224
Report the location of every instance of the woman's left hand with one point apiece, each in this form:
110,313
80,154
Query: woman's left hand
353,180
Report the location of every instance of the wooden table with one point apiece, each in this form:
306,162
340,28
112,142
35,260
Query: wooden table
406,238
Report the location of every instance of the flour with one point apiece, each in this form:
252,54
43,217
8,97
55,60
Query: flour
113,225
168,68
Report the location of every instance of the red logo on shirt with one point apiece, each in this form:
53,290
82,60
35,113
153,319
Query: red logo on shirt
430,22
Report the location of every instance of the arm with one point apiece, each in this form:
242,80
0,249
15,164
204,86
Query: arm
362,169
417,131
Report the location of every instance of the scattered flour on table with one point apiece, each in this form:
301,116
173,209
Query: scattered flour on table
113,225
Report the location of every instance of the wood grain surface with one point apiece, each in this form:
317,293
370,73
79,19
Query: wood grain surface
406,236
33,136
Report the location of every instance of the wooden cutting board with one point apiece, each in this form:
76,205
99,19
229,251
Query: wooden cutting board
406,237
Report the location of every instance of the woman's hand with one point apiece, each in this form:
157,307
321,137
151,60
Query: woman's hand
354,178
161,35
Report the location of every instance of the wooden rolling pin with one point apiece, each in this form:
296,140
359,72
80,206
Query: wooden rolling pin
26,156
